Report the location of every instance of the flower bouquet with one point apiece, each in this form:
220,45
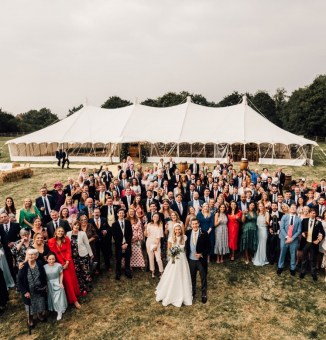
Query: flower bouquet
174,252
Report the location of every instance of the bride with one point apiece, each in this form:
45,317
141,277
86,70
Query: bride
175,285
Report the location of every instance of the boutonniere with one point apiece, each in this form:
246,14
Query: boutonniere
200,232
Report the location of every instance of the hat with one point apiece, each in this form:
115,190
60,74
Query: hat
303,179
58,184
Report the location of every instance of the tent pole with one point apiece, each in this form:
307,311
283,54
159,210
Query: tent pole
244,150
178,151
139,152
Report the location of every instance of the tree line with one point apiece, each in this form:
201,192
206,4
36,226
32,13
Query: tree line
303,112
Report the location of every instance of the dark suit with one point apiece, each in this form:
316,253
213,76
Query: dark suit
107,178
202,247
67,189
119,253
175,207
50,227
104,242
7,238
319,208
125,201
310,250
46,218
130,174
153,200
273,239
194,167
234,197
281,177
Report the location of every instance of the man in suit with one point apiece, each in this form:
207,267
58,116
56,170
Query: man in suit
180,207
199,187
281,178
296,194
206,196
9,233
272,197
117,186
214,192
194,167
320,207
322,188
312,234
128,199
109,211
196,202
290,230
106,176
197,249
68,188
148,200
172,166
45,203
122,234
55,223
273,240
234,197
189,196
101,195
287,199
65,158
130,173
243,203
88,210
152,210
104,242
58,156
175,179
124,181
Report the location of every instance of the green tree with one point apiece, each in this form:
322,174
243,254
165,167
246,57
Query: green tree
75,109
8,122
280,98
36,119
266,105
115,102
233,99
305,110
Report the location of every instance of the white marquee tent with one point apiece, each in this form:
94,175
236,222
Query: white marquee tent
165,131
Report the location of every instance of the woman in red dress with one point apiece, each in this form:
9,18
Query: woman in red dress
234,218
60,246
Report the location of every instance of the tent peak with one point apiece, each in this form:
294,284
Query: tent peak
244,100
188,99
136,101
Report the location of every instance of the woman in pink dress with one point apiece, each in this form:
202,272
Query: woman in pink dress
137,259
234,218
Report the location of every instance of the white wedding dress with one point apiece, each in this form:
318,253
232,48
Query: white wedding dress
175,286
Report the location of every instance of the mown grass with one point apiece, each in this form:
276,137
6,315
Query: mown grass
243,301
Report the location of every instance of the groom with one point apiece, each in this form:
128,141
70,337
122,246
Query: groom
198,248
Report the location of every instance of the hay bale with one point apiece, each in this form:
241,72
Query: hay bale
15,174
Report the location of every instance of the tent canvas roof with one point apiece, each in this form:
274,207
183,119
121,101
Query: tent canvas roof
188,123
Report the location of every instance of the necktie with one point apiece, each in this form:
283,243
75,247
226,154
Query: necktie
180,208
55,225
7,228
195,239
111,210
292,217
311,224
320,210
274,197
96,222
90,213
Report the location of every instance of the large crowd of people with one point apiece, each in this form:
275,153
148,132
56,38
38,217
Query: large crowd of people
148,219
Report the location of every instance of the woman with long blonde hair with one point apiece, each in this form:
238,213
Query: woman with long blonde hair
27,214
175,285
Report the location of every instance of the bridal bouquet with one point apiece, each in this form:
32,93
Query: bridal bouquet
174,252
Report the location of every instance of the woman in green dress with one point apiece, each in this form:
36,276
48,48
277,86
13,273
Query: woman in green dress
27,214
249,232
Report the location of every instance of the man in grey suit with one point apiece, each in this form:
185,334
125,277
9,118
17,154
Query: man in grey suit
289,231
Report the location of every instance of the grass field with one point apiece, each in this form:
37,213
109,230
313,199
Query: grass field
243,301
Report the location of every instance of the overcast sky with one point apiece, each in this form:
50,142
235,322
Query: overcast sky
57,53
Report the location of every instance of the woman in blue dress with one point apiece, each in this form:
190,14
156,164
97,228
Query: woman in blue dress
57,300
206,222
